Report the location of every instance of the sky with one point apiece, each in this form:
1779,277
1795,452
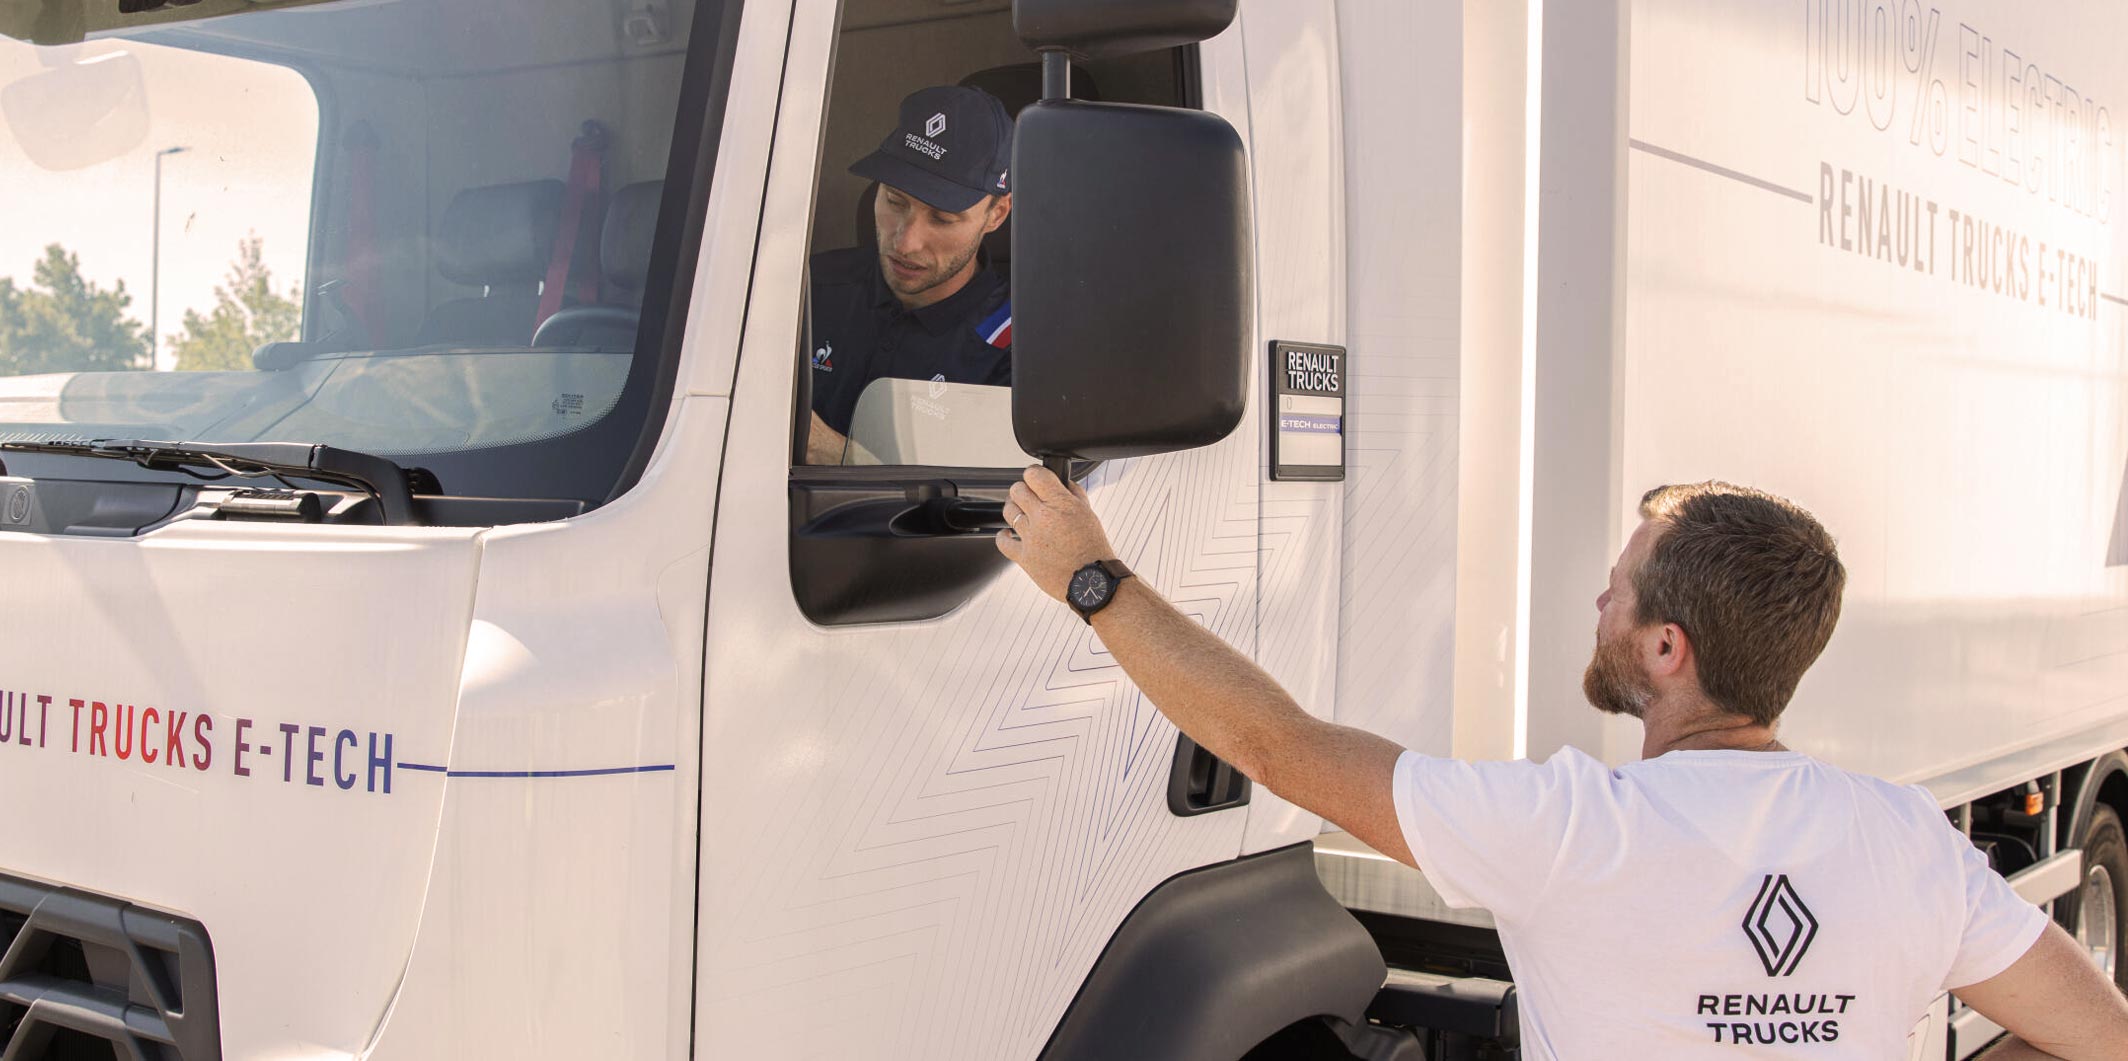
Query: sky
79,129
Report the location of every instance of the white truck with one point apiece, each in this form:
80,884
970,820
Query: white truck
477,670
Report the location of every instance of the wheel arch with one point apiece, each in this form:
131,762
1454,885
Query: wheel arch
1218,959
2104,780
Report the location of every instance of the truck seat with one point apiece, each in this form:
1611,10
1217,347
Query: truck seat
497,237
624,256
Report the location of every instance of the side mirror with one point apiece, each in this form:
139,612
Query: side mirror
79,111
1093,29
1132,291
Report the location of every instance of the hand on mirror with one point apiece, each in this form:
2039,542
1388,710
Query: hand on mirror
823,444
1054,531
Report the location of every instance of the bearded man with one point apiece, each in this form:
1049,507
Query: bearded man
1724,896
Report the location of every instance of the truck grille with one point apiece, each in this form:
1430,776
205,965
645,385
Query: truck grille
84,976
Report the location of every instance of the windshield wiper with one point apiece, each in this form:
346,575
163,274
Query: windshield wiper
393,486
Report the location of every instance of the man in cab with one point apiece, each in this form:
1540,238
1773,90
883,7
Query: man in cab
920,305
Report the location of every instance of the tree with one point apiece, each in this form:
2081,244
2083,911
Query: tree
64,323
247,313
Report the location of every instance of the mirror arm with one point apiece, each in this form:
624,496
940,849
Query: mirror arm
1056,84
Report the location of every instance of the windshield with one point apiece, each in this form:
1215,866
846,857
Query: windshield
417,228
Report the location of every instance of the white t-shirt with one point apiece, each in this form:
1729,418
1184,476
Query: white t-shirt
1713,903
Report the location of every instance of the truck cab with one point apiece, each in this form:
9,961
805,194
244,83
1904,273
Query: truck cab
433,639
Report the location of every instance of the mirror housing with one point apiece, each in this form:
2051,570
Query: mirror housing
1094,29
79,111
1132,288
74,21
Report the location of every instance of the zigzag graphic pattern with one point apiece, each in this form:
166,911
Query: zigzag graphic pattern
936,827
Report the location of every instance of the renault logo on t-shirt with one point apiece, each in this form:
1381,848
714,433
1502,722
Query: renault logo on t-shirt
1779,925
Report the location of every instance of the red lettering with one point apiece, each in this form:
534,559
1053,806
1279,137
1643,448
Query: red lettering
122,730
99,717
202,729
77,705
173,739
147,740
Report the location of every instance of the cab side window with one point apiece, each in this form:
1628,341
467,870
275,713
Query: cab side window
907,357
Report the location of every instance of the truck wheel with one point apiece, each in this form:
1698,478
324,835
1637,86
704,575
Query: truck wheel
2096,913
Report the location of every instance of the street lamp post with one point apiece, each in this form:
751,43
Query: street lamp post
155,262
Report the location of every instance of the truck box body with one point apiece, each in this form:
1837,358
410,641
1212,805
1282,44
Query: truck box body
1868,262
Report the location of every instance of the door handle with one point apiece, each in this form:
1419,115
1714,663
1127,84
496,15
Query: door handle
1202,782
969,516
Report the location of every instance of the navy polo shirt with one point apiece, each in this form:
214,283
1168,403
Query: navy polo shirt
861,332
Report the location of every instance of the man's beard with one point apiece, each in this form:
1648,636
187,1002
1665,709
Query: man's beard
930,279
1614,683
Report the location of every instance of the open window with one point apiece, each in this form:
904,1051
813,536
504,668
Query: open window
903,433
901,415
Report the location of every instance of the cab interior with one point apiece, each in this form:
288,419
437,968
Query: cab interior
889,48
444,156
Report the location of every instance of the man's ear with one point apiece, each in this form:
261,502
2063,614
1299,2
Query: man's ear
1000,209
1669,650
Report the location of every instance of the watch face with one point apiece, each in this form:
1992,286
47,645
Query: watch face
1089,587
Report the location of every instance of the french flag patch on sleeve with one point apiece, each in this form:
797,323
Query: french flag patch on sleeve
996,329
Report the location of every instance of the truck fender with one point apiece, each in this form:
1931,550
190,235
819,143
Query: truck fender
1215,960
2087,791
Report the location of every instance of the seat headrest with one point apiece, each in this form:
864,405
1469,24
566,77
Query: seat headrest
499,233
624,243
1020,84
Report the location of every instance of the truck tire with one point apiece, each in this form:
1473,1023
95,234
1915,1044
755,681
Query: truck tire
2096,913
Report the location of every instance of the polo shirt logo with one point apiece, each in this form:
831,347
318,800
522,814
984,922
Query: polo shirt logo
821,362
1780,926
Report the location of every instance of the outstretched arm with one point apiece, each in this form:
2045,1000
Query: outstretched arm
2054,1002
1217,696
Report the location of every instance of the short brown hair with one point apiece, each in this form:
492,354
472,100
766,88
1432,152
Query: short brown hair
1754,581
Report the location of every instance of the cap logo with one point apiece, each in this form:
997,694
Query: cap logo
936,125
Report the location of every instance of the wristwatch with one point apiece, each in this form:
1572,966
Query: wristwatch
1093,586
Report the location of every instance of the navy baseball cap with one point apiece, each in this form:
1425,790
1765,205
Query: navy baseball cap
952,147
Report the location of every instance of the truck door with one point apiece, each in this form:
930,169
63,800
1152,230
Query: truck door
929,797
